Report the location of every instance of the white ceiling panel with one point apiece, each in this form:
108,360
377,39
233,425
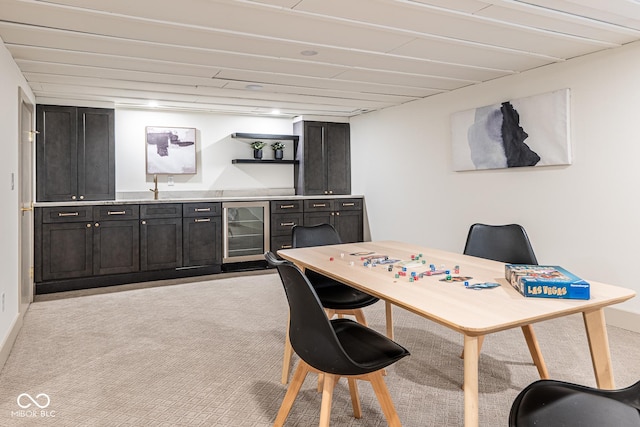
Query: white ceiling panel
359,55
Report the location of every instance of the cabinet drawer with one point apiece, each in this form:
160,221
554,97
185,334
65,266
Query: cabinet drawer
311,205
282,224
161,210
116,212
67,214
349,204
191,210
281,242
286,206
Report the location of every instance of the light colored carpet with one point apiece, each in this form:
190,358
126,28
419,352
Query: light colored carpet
209,353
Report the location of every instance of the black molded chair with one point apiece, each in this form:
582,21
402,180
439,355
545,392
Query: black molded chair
509,244
504,243
551,403
335,348
336,297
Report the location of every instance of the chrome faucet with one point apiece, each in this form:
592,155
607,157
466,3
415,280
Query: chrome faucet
155,187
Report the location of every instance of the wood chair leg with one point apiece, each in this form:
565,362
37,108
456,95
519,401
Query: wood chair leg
292,392
382,393
286,360
534,349
359,314
327,396
355,397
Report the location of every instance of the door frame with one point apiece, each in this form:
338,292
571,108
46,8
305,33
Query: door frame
26,126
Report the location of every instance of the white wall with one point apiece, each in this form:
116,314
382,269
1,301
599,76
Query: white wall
585,216
10,80
214,147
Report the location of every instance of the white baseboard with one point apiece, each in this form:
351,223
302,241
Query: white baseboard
9,340
623,319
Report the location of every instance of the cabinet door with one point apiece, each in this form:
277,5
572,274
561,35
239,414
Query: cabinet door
315,169
116,247
316,218
96,154
202,241
338,158
67,250
349,226
56,154
160,243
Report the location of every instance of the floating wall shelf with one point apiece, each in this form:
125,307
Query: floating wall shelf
267,161
258,136
267,136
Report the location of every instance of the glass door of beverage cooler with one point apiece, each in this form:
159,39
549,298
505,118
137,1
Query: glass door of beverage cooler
246,231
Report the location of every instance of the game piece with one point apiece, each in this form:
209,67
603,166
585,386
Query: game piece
331,259
456,269
457,279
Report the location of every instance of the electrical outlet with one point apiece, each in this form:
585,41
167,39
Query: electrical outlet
13,181
3,302
170,180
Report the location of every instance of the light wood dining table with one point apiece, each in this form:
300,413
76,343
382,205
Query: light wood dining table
473,313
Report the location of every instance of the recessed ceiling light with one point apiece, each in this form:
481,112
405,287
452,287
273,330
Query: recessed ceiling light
275,111
308,53
253,87
153,104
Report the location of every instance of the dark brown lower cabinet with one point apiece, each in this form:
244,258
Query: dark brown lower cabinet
344,214
116,247
160,243
84,246
201,241
67,250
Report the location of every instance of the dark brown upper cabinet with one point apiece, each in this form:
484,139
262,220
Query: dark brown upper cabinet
75,153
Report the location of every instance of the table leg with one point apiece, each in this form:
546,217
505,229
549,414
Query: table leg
599,347
470,381
389,316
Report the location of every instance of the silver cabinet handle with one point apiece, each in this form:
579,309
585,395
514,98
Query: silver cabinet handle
202,210
287,224
287,206
117,213
319,205
144,222
202,220
68,214
348,204
286,246
97,224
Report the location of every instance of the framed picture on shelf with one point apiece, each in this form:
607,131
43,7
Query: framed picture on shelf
170,150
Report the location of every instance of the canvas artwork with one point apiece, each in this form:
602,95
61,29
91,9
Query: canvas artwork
171,150
532,131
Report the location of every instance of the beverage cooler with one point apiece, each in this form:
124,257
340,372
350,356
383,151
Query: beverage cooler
246,231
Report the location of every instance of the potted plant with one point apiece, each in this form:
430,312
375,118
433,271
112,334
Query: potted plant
257,149
277,150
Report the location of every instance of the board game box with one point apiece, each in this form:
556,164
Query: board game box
546,281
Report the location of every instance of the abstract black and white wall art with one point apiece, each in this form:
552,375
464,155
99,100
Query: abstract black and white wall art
532,131
171,150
